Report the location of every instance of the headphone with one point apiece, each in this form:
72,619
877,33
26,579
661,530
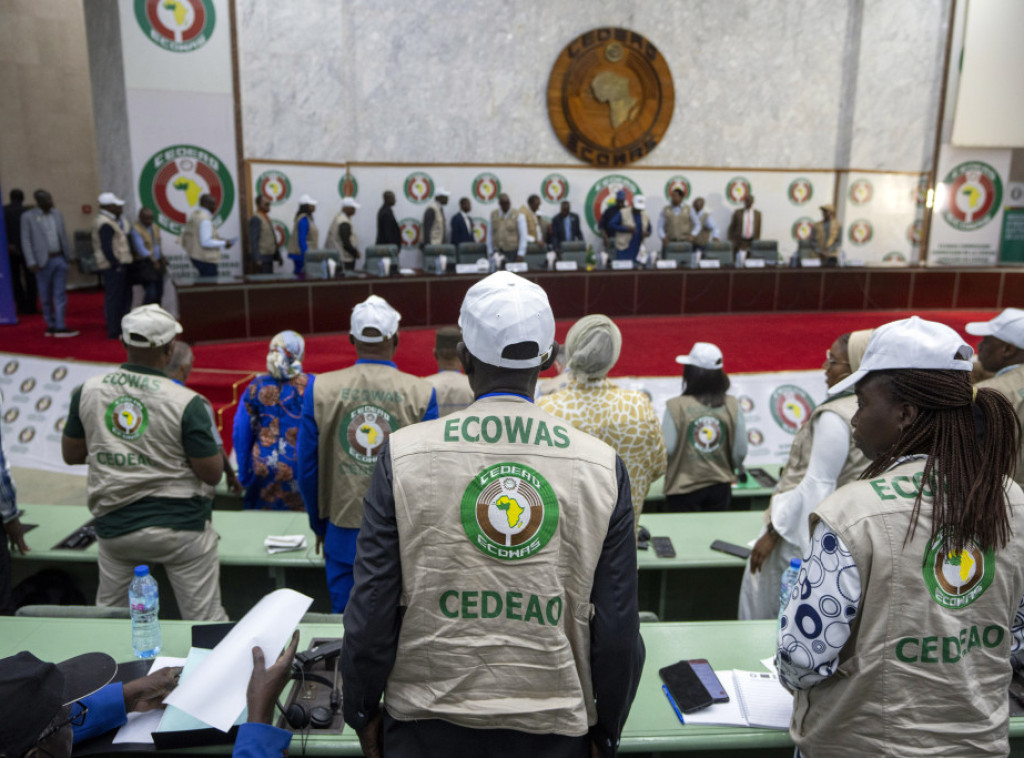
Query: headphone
298,716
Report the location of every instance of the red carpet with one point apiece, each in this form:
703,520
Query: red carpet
751,343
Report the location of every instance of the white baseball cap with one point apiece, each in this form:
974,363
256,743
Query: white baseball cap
1008,326
374,313
639,202
149,326
703,355
911,343
503,310
109,198
306,200
441,192
349,202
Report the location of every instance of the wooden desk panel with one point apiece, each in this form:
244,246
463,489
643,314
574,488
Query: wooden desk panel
660,293
612,293
753,291
706,292
977,289
843,290
332,304
275,308
933,289
888,290
799,290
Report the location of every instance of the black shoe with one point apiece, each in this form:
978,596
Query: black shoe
65,332
49,332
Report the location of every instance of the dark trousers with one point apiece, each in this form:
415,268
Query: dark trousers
23,281
117,298
153,292
716,497
204,268
266,265
5,576
830,262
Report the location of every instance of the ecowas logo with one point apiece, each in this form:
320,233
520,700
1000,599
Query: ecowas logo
480,226
802,229
127,418
755,437
274,185
59,373
737,190
509,511
861,192
411,231
364,430
791,407
418,187
894,257
800,191
281,232
955,579
348,186
486,187
554,188
677,182
861,232
11,367
173,180
179,26
914,232
602,194
706,434
973,194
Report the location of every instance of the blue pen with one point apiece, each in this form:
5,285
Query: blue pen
672,702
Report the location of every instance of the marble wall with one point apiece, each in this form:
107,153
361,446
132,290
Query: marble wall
810,84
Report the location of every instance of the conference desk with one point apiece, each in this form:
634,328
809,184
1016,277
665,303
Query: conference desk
749,495
255,307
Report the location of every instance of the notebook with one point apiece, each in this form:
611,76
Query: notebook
756,699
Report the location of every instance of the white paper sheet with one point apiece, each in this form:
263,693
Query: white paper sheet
140,726
720,714
215,692
769,663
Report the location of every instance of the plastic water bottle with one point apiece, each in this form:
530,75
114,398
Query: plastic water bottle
144,602
786,585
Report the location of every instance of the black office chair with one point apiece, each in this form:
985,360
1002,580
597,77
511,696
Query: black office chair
767,250
430,256
375,253
720,251
573,246
471,252
536,261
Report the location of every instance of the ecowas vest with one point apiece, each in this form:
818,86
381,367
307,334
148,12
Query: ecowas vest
453,391
438,230
132,427
926,667
356,410
505,230
705,234
119,243
502,512
312,236
148,239
190,238
1011,386
334,236
268,239
532,227
622,239
799,459
703,454
678,226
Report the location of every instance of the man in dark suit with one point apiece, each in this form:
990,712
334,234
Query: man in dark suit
565,227
462,224
745,226
388,232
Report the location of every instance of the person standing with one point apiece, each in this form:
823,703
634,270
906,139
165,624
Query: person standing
704,227
462,224
388,230
474,638
347,416
745,225
675,222
506,236
44,243
450,384
826,236
435,228
607,215
565,227
13,531
262,239
200,239
153,462
630,227
529,214
305,235
150,263
22,279
341,235
112,253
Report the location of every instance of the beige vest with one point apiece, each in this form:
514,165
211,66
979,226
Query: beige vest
132,427
190,238
1011,386
122,250
505,230
496,630
268,239
532,227
149,239
705,234
820,243
622,239
703,454
334,236
439,229
925,670
799,460
312,238
453,391
356,409
678,226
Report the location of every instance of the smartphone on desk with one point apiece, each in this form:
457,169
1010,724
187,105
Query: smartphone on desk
685,687
709,679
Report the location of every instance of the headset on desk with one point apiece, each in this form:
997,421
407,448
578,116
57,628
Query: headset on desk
300,717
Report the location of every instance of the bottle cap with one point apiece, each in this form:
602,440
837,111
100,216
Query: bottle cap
141,570
793,563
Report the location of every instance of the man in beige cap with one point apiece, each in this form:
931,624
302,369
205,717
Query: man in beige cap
452,386
153,463
826,236
347,416
112,254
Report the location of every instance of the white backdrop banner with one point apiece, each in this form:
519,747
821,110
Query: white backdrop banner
881,216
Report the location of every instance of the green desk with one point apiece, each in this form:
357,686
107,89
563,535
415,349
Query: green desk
746,496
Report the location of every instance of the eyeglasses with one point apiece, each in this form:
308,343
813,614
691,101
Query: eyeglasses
830,361
76,717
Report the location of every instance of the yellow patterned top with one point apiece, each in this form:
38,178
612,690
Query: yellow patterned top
624,419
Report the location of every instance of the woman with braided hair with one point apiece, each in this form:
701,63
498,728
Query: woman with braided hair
897,637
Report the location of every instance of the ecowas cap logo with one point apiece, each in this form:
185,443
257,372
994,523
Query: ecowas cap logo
791,407
173,180
274,185
957,578
737,190
602,194
861,232
677,182
127,418
364,430
861,192
973,194
479,229
509,511
803,227
800,191
179,26
486,187
411,231
348,186
418,187
554,188
281,232
706,434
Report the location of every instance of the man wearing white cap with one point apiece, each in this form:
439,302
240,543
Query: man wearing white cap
435,228
112,254
200,239
341,235
630,226
304,236
347,416
153,462
44,241
1001,351
495,596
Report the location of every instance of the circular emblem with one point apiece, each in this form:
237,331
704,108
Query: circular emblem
11,415
861,192
746,403
973,194
677,182
418,187
28,385
802,229
274,185
602,194
791,407
179,26
555,188
894,256
861,232
411,231
755,437
479,229
1016,194
956,579
59,373
58,425
281,232
364,430
920,192
486,188
10,367
127,418
610,97
26,435
348,186
173,180
43,404
800,191
737,190
914,232
509,511
706,434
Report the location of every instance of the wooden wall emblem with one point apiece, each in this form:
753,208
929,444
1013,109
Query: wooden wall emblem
610,96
